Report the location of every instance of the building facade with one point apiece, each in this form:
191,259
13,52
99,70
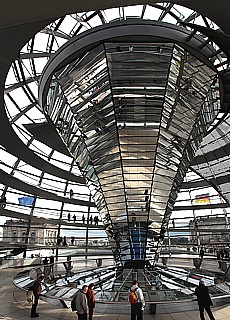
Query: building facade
209,230
40,233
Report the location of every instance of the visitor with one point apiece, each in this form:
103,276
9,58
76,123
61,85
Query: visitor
221,254
64,241
69,265
96,219
226,252
37,288
201,253
59,240
72,240
204,300
138,306
119,49
196,223
82,303
91,300
131,48
71,193
46,267
3,202
51,263
218,257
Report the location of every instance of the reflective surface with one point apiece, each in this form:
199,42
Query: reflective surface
160,284
133,108
133,116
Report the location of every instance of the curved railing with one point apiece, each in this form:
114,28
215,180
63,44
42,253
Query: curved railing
63,283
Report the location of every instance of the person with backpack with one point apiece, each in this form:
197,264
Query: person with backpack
137,301
79,303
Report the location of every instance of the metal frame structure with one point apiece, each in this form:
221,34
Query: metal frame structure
210,43
69,95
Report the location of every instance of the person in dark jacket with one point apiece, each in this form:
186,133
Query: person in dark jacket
51,263
37,288
218,257
204,300
46,267
91,300
202,253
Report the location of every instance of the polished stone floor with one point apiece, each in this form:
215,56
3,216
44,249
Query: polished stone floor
13,305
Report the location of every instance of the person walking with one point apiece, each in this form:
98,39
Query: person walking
137,303
201,253
82,303
37,288
204,300
91,300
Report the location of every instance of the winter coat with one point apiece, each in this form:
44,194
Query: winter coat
91,299
81,302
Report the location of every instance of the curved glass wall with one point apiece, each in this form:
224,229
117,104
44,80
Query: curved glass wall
47,171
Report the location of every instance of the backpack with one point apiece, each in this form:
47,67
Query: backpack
132,296
73,303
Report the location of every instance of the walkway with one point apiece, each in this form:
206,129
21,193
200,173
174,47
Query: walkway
13,305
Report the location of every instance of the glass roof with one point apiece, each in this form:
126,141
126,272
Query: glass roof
146,111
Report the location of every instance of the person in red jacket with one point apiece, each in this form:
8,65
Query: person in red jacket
91,300
37,288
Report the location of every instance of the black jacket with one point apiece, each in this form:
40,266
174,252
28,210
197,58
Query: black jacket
203,296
